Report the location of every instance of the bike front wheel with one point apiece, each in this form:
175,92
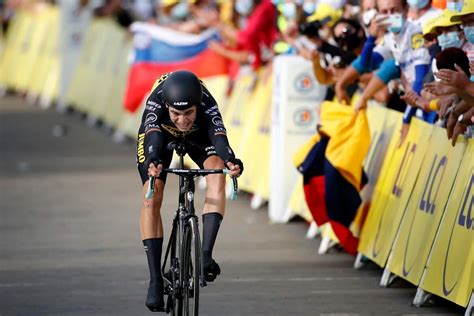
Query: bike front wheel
191,269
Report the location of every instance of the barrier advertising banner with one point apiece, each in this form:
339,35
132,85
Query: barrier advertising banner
296,96
426,207
450,265
384,216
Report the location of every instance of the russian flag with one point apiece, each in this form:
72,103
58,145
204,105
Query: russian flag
158,50
332,170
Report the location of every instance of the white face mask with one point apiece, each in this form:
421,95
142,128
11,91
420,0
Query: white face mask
455,6
289,10
395,22
243,7
180,11
309,7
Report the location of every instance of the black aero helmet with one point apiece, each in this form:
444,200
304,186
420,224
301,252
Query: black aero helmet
181,90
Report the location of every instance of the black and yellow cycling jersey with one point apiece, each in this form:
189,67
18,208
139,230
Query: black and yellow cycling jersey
157,130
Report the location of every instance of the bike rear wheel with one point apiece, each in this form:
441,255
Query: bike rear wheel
191,269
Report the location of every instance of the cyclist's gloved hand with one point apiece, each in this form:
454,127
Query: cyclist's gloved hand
154,166
236,166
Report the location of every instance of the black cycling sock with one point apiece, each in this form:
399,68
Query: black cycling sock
153,253
211,223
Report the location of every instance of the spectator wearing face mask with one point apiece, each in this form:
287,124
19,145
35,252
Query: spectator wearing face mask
454,79
404,44
329,62
466,17
421,11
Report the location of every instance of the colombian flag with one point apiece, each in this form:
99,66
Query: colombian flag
158,50
332,170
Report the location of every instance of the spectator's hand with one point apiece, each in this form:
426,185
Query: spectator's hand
403,133
411,97
457,79
341,94
215,46
361,104
444,104
457,130
452,119
439,88
310,54
460,127
378,24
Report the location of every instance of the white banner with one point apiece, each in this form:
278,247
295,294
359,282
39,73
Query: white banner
295,105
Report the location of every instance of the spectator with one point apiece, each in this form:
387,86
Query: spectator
253,43
114,8
403,47
329,61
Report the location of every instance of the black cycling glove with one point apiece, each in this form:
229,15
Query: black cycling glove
237,162
154,160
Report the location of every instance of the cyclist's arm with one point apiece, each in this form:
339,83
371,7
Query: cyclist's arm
151,119
215,127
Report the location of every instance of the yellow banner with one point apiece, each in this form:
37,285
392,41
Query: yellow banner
262,140
250,140
234,117
297,202
78,93
450,267
386,213
114,109
426,207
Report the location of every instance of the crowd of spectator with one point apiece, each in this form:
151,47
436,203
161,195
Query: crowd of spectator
415,56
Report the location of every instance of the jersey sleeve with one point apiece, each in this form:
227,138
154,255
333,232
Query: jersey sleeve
216,130
384,47
150,124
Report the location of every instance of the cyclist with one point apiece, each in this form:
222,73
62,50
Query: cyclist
180,107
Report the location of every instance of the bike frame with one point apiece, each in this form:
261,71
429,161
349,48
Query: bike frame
184,221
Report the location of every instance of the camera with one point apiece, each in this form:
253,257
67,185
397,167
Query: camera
310,29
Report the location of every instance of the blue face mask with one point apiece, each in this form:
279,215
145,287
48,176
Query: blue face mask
395,22
455,6
450,39
418,4
309,8
472,78
180,11
469,33
243,7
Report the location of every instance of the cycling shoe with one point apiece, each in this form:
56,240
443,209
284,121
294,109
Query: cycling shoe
211,270
154,299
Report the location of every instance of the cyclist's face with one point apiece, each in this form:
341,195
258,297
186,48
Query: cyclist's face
183,119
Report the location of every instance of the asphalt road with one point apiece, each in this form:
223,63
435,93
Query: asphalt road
70,243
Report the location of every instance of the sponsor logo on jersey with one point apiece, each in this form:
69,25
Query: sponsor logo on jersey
217,121
176,132
211,109
417,41
140,148
152,127
180,103
150,118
